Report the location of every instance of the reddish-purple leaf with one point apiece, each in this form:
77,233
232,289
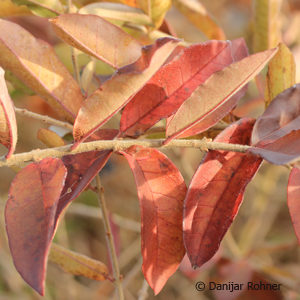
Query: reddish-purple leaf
30,217
172,84
8,123
280,118
161,190
276,133
212,100
83,167
116,92
293,199
282,151
216,192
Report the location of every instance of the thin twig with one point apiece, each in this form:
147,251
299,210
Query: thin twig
73,50
117,145
109,239
42,118
87,211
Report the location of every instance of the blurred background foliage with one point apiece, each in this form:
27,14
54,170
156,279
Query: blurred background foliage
260,245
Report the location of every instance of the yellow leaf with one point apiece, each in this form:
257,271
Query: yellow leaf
281,73
156,9
78,264
266,24
198,15
7,9
117,11
50,138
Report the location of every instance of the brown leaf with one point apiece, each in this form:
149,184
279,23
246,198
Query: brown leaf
98,37
36,64
30,217
216,192
210,103
8,123
161,190
78,264
116,92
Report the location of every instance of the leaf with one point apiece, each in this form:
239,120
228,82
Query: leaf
156,9
209,104
266,24
78,264
216,192
284,150
281,73
42,8
281,117
8,8
83,167
30,217
117,11
293,192
116,92
198,15
276,133
172,84
50,138
36,64
97,37
161,190
8,123
239,51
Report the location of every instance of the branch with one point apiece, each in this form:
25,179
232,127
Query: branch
42,118
109,238
117,145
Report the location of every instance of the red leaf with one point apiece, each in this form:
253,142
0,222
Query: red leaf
293,195
161,190
239,51
30,217
8,123
116,92
276,133
212,100
216,192
174,83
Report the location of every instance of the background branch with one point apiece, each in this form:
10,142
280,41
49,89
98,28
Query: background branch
109,238
43,118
